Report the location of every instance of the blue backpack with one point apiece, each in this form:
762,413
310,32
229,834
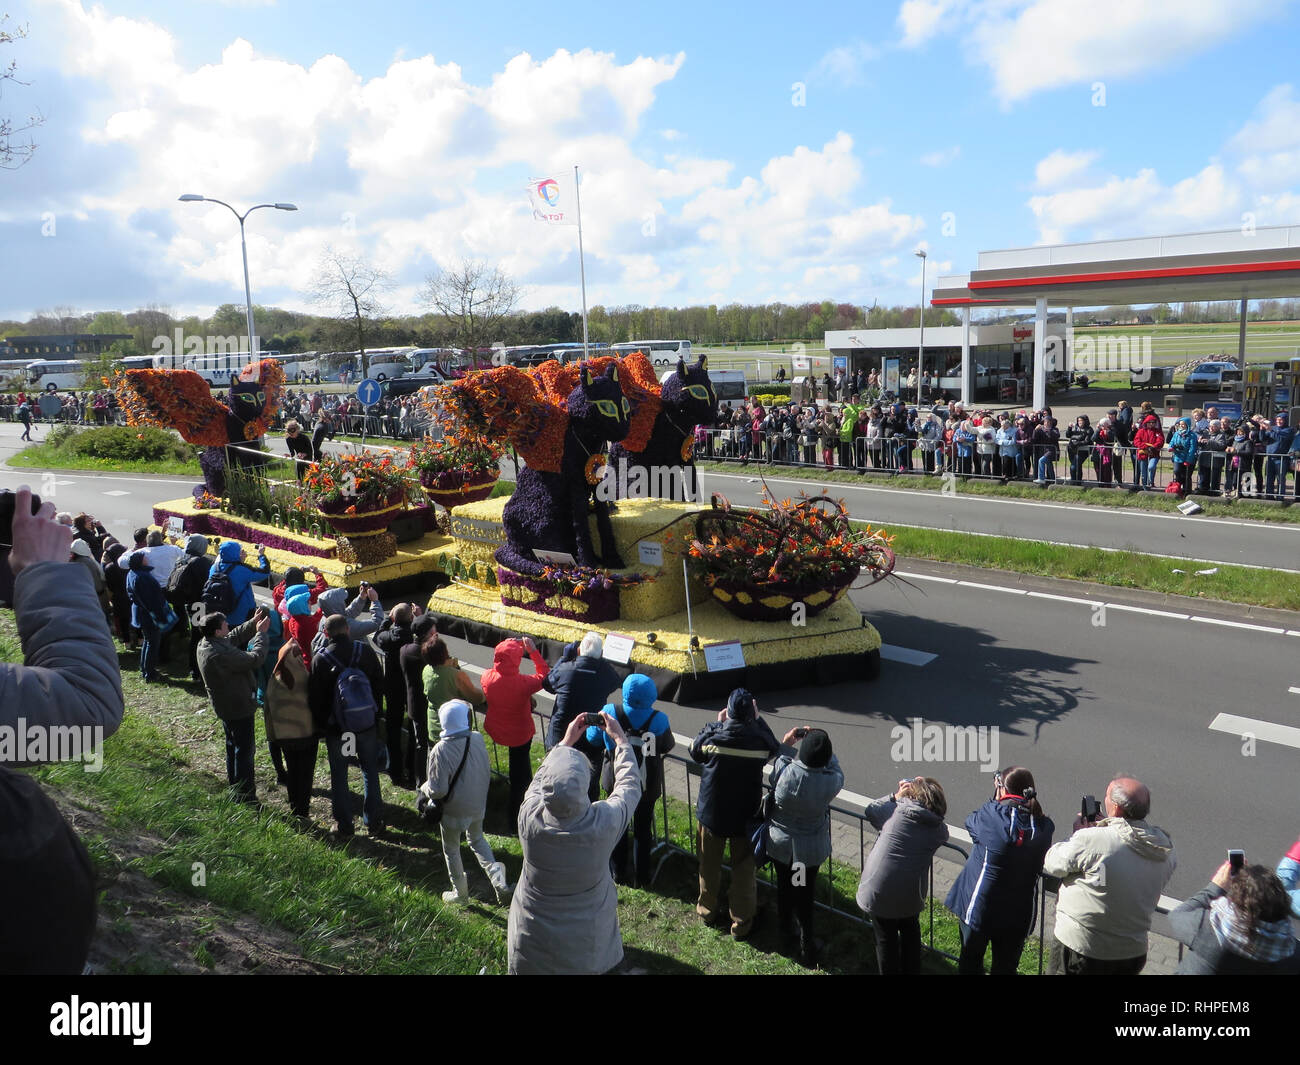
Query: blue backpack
354,699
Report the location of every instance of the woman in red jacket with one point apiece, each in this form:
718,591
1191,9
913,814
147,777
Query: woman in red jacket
1148,441
509,718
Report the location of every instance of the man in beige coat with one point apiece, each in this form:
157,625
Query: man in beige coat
1112,873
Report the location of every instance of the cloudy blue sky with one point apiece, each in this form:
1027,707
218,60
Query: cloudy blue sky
769,151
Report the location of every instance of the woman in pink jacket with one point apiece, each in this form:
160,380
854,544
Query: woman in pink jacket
509,718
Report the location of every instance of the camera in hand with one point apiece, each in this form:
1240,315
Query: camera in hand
598,720
1090,808
1236,860
8,503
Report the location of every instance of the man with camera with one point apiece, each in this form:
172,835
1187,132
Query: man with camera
1112,872
71,680
229,660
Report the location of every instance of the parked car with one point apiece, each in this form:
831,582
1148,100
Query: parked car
1207,377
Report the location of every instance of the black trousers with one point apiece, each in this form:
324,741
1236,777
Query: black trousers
1006,952
1077,965
300,772
898,945
642,831
521,775
794,902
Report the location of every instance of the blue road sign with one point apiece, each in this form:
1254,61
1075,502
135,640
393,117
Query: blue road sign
369,391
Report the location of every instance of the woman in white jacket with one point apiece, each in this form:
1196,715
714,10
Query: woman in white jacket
564,915
459,774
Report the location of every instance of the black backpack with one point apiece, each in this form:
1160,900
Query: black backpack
218,595
187,578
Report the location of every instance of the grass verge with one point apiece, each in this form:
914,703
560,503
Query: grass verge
47,457
1116,498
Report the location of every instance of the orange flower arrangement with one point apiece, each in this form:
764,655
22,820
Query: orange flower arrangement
182,400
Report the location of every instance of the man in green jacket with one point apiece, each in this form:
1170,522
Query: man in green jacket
230,673
848,427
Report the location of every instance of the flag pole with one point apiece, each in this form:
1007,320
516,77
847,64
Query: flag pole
582,266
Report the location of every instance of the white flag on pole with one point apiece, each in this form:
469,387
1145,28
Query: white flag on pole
553,200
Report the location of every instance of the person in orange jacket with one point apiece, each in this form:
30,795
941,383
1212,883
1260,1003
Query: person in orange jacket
509,718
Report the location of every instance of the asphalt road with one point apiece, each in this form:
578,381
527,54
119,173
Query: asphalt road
1074,691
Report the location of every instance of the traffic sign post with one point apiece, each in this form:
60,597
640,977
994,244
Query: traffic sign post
369,392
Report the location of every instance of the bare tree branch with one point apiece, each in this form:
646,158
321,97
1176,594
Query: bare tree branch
15,148
351,288
473,299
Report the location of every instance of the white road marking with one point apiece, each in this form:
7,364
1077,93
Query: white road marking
906,655
926,577
1261,730
116,492
1147,610
992,588
1066,599
1294,691
1240,625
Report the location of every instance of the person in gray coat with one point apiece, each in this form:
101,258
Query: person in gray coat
459,774
335,601
893,885
799,833
564,914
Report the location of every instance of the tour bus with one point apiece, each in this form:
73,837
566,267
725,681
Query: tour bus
139,362
50,376
385,363
218,369
299,367
13,373
659,352
728,385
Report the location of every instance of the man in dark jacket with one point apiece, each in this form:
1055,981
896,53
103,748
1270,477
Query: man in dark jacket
148,606
733,751
393,635
339,654
187,592
1211,454
229,660
423,630
1278,440
581,682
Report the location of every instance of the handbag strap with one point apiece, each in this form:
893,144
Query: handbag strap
456,776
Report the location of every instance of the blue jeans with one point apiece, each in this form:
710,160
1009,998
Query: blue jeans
1046,471
239,757
367,753
1275,474
149,647
1147,471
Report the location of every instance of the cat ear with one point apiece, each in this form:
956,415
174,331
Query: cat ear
700,363
586,375
681,369
613,372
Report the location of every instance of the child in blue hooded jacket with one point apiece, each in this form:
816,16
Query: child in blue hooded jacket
651,737
230,561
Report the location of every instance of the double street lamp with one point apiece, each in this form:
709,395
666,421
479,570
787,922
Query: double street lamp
191,197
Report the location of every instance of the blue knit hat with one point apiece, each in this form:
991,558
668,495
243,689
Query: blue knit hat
741,705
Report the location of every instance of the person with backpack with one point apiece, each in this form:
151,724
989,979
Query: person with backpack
229,589
343,692
25,416
458,780
335,601
185,591
229,660
289,726
651,736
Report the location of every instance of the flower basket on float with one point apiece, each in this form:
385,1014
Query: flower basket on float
358,494
759,564
462,467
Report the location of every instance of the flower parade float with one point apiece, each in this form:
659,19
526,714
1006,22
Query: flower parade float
705,598
461,467
337,520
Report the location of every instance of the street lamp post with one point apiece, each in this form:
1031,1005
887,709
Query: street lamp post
920,347
191,197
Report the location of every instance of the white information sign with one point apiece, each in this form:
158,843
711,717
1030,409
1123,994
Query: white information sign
558,558
721,656
618,648
651,552
175,525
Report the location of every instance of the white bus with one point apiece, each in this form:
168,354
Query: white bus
48,375
659,352
298,368
384,364
13,373
218,369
